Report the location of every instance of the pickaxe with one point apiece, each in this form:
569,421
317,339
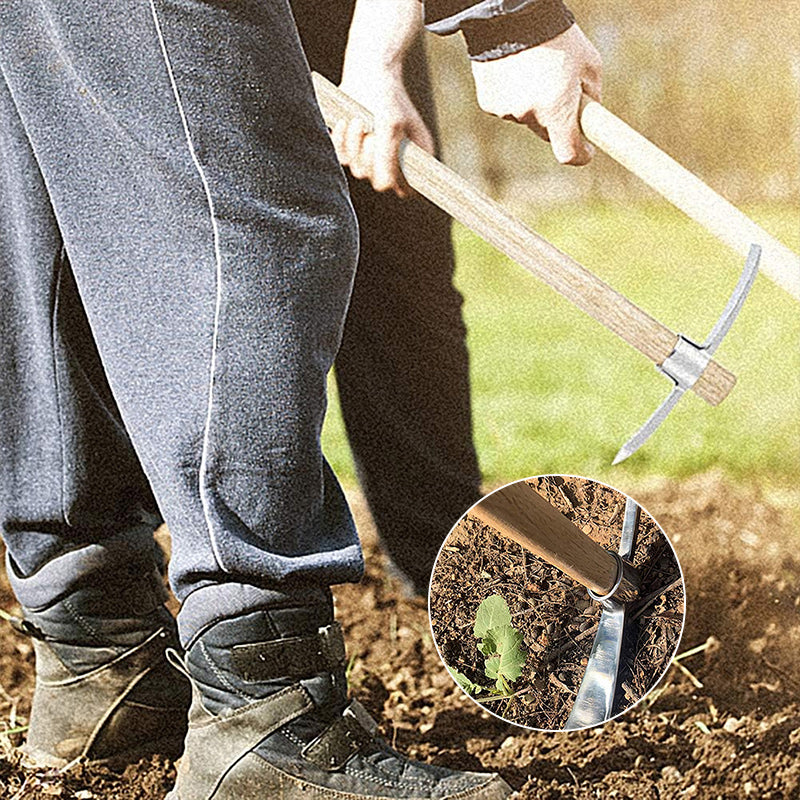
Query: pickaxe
687,364
520,514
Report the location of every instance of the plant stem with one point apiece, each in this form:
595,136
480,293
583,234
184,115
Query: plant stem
502,696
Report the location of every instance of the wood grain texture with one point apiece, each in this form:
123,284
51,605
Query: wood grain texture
488,219
519,513
687,192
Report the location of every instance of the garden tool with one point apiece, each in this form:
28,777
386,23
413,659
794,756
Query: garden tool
688,193
457,197
687,361
595,700
519,513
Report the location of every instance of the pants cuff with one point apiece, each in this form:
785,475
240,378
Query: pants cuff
96,564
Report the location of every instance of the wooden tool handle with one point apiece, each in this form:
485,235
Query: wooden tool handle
457,197
519,513
686,191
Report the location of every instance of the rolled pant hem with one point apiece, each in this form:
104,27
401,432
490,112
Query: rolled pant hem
93,562
216,601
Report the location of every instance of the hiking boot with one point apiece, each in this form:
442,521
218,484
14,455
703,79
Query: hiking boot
115,714
270,718
104,691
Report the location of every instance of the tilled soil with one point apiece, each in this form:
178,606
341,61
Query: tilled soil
553,612
728,727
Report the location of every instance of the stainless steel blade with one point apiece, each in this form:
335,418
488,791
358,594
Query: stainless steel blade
630,528
651,426
595,700
596,695
735,302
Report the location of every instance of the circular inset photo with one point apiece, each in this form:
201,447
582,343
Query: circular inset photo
557,603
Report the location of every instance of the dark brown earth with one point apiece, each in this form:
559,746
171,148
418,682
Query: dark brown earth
553,612
737,735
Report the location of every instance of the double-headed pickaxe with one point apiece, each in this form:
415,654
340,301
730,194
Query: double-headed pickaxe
474,209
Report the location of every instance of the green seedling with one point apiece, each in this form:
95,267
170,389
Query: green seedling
500,644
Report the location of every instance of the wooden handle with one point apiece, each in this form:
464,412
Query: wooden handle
519,513
457,197
686,191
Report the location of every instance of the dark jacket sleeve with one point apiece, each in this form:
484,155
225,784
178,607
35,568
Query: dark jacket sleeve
497,28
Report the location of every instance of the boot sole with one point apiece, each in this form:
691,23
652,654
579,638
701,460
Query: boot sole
257,779
168,747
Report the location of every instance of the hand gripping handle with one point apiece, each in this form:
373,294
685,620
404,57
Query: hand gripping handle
488,219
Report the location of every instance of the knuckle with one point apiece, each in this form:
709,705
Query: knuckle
394,129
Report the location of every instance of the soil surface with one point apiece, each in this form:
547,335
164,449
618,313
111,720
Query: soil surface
554,613
735,735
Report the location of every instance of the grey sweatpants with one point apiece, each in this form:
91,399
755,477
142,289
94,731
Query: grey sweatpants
402,370
177,251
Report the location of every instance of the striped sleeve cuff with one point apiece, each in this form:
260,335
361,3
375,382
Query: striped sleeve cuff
493,30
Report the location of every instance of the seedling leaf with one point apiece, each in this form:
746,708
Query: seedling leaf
492,613
500,645
487,647
464,682
505,665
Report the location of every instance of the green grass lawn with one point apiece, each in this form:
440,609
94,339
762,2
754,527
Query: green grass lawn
554,391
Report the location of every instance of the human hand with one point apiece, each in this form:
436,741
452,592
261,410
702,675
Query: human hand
541,88
374,154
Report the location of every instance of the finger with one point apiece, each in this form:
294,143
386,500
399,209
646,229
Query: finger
570,148
354,134
354,146
592,81
567,141
366,158
386,167
592,74
338,138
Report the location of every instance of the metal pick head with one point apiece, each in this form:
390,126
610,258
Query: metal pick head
595,699
688,360
594,702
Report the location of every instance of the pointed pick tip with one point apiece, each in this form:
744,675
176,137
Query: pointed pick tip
623,453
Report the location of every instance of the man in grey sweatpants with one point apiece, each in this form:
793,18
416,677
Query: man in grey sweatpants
177,250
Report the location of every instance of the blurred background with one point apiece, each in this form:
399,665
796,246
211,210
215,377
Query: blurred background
717,86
